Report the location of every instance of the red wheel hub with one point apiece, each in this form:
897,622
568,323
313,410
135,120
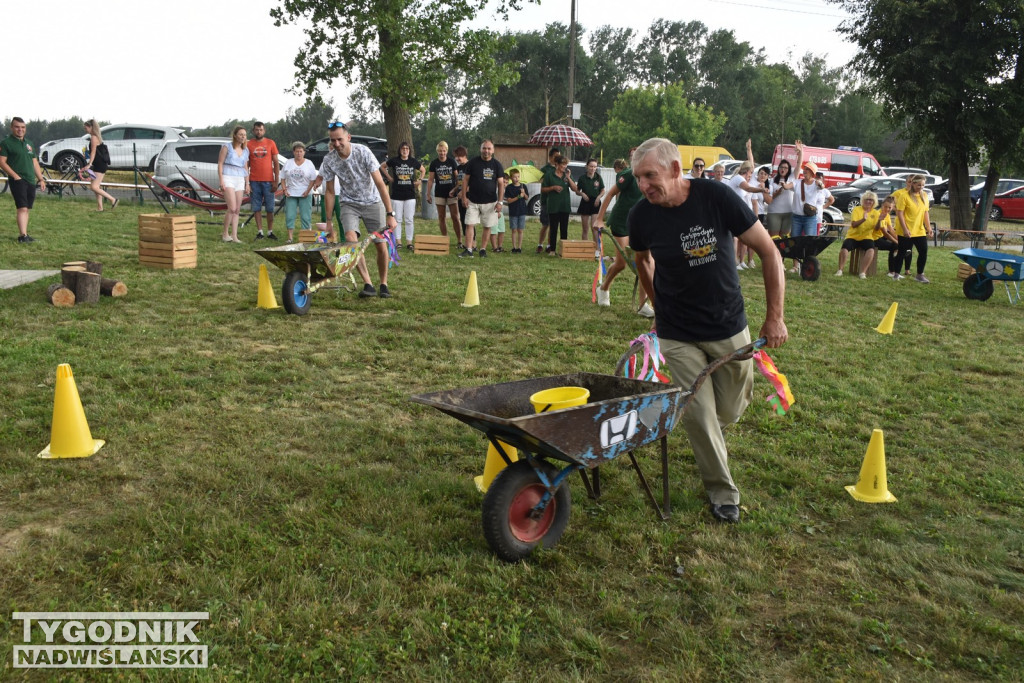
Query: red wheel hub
523,526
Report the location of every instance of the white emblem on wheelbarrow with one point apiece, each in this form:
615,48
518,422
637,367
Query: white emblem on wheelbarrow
618,429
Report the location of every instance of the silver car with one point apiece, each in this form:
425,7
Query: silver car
576,169
195,157
130,145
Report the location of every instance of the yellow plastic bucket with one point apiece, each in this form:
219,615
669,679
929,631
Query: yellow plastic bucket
559,398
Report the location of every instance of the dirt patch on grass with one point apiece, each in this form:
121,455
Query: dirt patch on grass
11,540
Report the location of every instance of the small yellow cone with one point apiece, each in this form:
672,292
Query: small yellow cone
69,436
265,298
472,295
885,327
872,486
494,464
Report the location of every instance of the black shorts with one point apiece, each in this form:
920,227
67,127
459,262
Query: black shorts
588,207
850,245
24,193
99,166
883,244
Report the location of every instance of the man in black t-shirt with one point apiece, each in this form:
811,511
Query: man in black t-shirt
682,232
483,190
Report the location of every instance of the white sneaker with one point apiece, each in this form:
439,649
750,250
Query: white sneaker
740,266
604,297
862,276
839,273
646,310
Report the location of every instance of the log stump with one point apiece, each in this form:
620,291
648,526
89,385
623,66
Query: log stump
94,267
60,296
113,288
87,287
69,275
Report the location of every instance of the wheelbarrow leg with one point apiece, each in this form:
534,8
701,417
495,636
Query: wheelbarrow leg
664,509
593,490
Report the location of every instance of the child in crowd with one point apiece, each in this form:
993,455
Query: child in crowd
516,199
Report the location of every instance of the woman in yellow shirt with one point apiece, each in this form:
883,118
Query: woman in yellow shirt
863,223
885,237
914,223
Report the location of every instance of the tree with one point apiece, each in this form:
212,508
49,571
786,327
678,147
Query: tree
610,69
399,51
657,112
953,67
305,123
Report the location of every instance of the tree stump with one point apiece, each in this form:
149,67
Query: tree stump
60,296
113,288
94,267
87,287
69,276
73,264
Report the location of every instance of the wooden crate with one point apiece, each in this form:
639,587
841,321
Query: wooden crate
308,236
431,244
964,271
167,241
578,250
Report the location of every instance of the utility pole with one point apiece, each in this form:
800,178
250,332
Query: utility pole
572,62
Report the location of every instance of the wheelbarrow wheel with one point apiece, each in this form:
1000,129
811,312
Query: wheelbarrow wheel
510,526
977,287
295,293
810,268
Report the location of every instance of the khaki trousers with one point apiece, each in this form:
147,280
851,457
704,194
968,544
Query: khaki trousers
719,402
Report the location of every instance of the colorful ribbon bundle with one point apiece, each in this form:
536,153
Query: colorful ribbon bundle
388,235
652,360
782,399
602,270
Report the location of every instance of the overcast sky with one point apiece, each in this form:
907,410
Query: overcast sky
140,61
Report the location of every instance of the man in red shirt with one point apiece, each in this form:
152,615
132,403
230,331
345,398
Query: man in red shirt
264,177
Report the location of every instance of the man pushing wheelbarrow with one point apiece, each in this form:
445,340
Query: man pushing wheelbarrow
363,196
682,233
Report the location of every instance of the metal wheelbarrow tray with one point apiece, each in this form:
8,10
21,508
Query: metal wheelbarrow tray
309,267
805,248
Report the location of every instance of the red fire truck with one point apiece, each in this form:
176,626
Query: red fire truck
840,166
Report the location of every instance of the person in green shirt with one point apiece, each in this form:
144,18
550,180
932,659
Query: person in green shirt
555,186
19,162
591,190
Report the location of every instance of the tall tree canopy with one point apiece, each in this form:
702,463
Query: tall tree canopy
400,51
953,69
657,111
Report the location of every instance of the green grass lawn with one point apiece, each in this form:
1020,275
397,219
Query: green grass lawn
271,470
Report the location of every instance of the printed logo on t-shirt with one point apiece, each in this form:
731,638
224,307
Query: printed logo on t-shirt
699,245
488,174
260,152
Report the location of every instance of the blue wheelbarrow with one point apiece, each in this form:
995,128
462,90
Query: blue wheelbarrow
990,266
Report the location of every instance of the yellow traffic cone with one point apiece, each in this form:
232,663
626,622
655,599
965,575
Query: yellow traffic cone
472,295
265,298
885,327
69,435
494,464
872,486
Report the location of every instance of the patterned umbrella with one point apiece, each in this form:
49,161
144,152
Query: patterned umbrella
560,134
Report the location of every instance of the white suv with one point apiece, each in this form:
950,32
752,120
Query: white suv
196,157
129,144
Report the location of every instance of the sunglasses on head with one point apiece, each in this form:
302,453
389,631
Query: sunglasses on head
335,124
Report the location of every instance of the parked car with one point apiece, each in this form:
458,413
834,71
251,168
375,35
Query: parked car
196,157
1002,185
1009,204
576,169
729,167
316,151
848,196
129,144
897,170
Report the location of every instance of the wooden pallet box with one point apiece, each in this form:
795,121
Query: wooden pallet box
167,241
578,250
437,245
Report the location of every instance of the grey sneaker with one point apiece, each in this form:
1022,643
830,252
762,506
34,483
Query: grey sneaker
921,278
25,238
384,292
367,292
466,253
